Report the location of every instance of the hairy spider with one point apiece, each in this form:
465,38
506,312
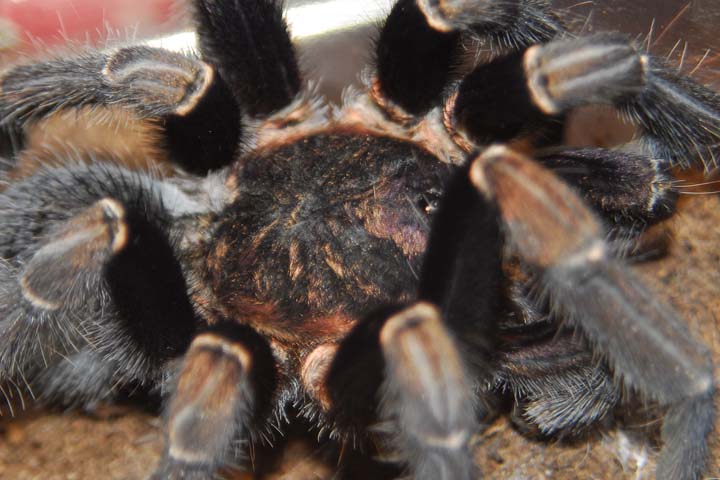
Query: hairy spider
384,269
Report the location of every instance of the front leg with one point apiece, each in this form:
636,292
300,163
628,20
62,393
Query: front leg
647,346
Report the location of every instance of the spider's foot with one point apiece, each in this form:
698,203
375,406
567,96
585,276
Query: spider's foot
559,388
686,430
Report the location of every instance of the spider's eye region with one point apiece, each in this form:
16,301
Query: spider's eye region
429,200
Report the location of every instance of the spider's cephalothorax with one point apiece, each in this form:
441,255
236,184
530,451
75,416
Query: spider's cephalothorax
386,269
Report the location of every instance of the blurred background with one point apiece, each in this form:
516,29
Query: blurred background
335,36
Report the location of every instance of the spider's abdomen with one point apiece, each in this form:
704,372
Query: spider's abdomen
328,227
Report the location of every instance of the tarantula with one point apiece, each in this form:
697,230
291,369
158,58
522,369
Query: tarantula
401,260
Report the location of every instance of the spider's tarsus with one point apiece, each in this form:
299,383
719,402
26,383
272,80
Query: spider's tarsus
560,389
686,429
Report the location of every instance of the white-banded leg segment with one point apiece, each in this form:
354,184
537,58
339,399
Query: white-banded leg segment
427,394
223,386
647,346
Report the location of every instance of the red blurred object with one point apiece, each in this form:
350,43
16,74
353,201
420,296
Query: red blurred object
26,23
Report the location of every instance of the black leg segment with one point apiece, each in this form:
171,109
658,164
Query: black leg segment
414,60
558,385
248,42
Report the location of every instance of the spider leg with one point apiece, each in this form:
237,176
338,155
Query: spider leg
427,391
89,263
421,39
647,346
679,119
557,384
409,361
225,384
248,42
79,380
184,97
645,196
463,260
